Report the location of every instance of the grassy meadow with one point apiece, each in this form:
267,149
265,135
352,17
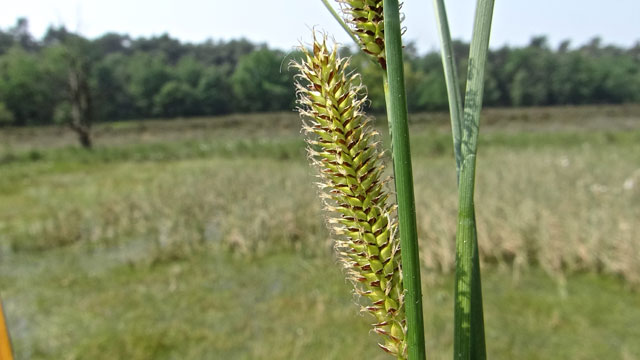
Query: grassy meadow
204,239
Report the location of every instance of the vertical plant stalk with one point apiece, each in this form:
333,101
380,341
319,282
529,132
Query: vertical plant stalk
343,147
401,153
467,310
5,342
478,346
376,24
451,79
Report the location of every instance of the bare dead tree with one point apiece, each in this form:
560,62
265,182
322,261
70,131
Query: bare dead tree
81,116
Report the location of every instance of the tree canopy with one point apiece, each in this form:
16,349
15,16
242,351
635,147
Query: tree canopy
132,78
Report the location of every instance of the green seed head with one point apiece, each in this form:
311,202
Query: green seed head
344,149
366,19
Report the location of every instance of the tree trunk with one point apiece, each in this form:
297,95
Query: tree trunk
84,136
81,105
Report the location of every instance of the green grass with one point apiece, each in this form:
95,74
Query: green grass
212,306
149,247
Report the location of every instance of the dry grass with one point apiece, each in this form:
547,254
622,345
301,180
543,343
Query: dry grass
564,200
256,126
545,207
197,239
169,210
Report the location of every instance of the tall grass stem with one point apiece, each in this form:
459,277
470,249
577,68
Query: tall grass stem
478,350
468,333
404,180
451,79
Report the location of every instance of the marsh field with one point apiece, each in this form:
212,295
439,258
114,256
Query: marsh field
204,239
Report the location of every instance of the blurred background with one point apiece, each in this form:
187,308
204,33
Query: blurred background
156,201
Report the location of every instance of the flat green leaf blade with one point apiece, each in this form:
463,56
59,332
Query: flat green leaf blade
468,317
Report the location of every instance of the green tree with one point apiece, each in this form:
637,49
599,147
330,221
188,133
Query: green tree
145,75
6,42
190,70
176,98
112,97
262,82
618,73
431,91
529,70
27,88
164,45
223,53
160,76
214,90
497,82
22,36
573,79
111,43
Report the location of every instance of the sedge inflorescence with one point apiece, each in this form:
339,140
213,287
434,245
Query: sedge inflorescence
343,147
367,23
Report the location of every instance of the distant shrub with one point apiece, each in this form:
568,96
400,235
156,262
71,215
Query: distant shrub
6,116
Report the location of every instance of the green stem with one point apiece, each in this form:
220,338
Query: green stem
404,181
468,334
451,79
478,345
341,22
478,348
475,76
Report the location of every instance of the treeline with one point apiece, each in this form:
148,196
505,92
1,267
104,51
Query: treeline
135,78
64,77
533,75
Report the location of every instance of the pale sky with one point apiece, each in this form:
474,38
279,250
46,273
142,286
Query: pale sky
282,23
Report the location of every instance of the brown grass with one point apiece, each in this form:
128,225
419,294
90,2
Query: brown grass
565,197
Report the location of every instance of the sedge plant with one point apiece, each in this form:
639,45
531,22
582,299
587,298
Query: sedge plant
345,151
375,27
469,337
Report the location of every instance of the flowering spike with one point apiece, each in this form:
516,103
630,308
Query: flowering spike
367,23
343,148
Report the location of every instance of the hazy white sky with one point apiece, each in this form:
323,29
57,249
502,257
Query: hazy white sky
281,23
